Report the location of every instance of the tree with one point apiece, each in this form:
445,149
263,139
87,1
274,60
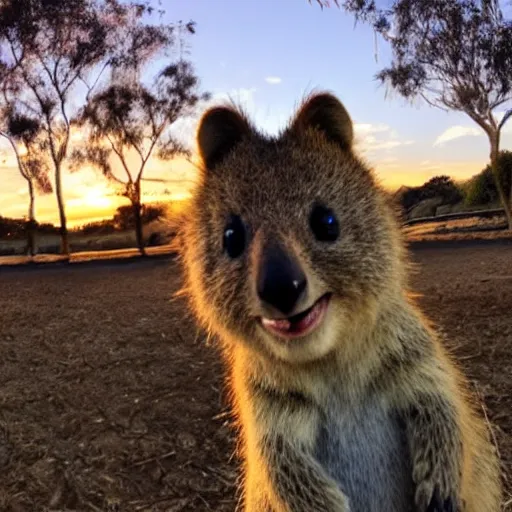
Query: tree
454,54
481,189
24,136
443,187
130,116
124,217
49,48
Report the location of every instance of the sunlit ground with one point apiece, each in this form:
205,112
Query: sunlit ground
110,393
470,228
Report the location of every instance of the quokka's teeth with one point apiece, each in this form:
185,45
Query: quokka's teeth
279,325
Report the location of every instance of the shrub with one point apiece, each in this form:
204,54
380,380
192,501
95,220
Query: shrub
444,187
481,189
124,218
439,186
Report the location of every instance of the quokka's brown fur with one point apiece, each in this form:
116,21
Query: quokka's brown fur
366,413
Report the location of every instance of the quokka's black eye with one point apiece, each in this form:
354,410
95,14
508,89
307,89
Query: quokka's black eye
234,237
324,224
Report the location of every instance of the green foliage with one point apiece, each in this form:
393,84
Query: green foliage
131,116
481,189
25,130
124,217
444,187
103,227
17,228
439,186
453,54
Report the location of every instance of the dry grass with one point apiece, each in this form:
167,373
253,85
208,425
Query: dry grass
51,243
461,229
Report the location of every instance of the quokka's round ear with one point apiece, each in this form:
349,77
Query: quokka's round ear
324,112
220,130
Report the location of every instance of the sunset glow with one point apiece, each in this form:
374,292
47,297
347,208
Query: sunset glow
404,144
95,197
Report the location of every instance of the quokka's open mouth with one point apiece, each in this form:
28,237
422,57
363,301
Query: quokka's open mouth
301,324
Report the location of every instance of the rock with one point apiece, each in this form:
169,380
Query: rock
444,209
459,207
426,208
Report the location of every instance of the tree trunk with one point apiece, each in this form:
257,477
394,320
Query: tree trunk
64,242
137,213
31,227
494,139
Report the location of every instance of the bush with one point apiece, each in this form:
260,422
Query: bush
17,228
443,187
481,189
439,186
124,218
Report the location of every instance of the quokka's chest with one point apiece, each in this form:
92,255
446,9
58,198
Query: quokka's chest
365,451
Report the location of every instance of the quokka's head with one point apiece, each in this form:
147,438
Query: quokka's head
289,245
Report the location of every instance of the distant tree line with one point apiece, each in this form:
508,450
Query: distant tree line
122,220
440,186
84,65
478,191
16,229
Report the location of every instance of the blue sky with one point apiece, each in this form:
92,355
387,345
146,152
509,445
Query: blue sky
267,54
240,44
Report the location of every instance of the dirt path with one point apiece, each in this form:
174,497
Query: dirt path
467,291
109,399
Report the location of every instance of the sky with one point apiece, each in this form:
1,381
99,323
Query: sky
267,55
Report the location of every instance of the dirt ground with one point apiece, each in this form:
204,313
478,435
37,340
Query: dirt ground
110,400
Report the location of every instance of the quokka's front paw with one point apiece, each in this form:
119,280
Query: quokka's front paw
429,498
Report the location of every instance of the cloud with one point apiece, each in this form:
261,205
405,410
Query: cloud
378,137
372,137
429,165
366,129
273,80
389,144
375,139
456,132
470,130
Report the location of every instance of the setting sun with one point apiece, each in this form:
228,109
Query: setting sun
97,197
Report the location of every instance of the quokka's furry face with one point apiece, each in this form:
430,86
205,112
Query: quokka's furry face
288,240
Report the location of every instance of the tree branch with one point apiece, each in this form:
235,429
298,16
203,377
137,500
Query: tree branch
39,98
150,151
140,153
433,103
21,167
90,88
120,155
506,117
478,120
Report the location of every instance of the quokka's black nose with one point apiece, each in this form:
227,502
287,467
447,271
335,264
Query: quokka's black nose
281,281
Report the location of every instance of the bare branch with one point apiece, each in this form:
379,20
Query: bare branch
433,103
506,117
21,167
90,88
121,157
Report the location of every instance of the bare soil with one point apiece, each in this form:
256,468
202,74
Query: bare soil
111,400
